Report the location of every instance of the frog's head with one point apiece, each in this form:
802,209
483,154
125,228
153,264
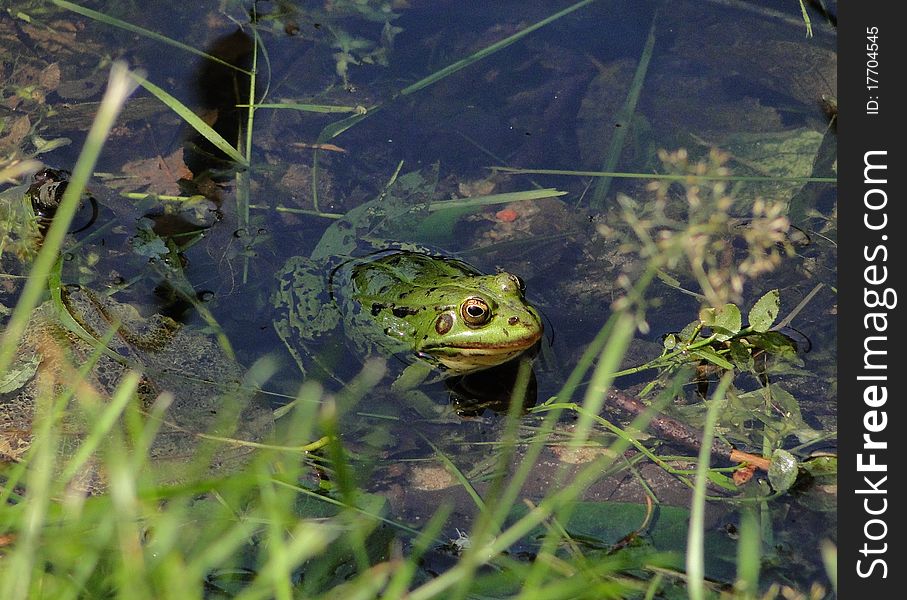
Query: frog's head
478,322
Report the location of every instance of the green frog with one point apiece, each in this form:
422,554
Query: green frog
425,308
437,314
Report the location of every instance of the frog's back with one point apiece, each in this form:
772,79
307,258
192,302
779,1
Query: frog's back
398,270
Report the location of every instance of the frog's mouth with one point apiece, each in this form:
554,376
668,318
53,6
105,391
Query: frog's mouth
478,355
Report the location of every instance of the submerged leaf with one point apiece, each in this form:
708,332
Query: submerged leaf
19,374
155,175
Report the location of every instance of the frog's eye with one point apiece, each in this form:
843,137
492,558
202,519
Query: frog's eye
475,312
518,283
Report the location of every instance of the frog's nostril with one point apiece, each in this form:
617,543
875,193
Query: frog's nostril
513,320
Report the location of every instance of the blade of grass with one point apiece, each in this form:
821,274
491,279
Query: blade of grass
609,361
489,522
767,13
403,576
243,177
489,50
315,108
749,554
41,465
695,561
461,477
334,129
102,424
490,199
9,173
485,552
328,500
114,22
625,117
830,560
119,87
670,177
192,119
474,557
23,561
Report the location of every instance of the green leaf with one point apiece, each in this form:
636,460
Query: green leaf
786,402
742,357
723,481
713,357
822,466
726,321
686,334
602,524
774,342
783,472
43,146
763,314
19,374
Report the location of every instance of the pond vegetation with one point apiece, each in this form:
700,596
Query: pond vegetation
196,199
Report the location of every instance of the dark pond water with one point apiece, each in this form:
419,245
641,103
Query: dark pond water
601,88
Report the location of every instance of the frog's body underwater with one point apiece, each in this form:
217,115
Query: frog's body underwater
434,312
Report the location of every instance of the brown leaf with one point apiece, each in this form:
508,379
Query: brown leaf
156,175
15,134
327,147
49,79
744,474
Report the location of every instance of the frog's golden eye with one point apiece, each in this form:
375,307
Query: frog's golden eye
475,312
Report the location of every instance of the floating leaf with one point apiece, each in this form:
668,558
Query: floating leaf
601,524
783,472
765,311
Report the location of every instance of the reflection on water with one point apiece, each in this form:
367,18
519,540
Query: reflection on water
219,87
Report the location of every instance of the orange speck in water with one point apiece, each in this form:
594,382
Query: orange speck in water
508,215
